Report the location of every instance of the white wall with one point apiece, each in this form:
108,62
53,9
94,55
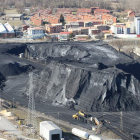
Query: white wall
47,133
32,31
126,36
132,28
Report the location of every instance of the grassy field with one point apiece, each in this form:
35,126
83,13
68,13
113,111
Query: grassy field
10,11
12,22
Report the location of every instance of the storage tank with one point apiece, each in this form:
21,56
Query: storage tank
93,137
80,133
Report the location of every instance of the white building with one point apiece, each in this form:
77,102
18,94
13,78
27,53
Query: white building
2,28
132,28
6,31
137,25
35,31
50,131
9,28
120,29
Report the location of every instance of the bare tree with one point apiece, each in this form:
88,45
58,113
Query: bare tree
119,43
19,6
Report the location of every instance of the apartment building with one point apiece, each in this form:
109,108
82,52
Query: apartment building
120,29
36,20
131,15
54,28
101,11
137,25
83,14
94,31
84,10
35,31
72,25
64,36
64,11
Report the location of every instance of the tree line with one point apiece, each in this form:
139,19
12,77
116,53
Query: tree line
104,4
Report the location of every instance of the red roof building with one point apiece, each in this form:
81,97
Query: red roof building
65,32
84,10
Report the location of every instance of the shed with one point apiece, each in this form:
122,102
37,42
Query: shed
50,131
14,16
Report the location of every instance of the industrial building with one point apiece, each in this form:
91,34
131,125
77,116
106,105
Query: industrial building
14,16
6,31
50,131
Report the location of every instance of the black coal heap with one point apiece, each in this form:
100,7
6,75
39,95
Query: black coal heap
89,76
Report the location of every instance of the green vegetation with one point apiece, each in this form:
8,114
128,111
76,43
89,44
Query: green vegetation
12,22
62,18
71,35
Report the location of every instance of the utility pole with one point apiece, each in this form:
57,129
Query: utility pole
58,118
121,118
13,105
31,119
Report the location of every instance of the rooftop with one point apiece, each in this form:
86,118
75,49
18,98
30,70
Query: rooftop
65,32
14,15
2,28
49,125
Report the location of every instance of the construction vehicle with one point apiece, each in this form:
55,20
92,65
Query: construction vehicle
81,115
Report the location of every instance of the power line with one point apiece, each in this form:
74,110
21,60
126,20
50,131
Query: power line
31,119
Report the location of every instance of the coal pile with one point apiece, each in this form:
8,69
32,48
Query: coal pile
2,80
87,76
1,77
12,69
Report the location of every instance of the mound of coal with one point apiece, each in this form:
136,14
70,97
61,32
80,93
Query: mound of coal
132,68
106,90
12,69
12,48
90,53
86,76
1,77
2,80
16,49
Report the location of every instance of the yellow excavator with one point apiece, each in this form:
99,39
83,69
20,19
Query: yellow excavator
78,115
81,115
